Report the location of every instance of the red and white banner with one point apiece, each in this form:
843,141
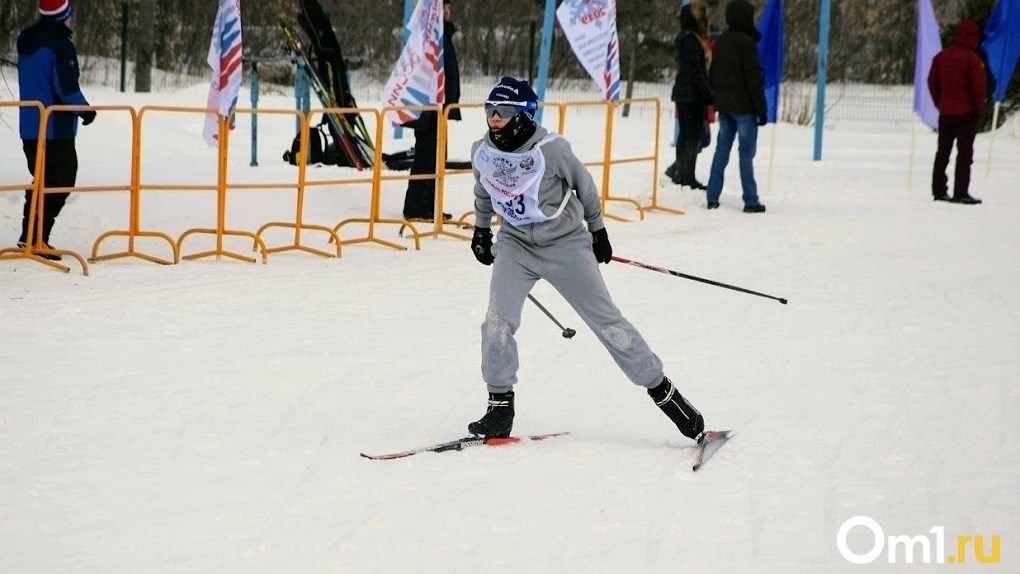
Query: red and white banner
590,27
225,61
419,78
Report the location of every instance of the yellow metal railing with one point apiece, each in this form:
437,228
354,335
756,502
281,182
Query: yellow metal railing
139,186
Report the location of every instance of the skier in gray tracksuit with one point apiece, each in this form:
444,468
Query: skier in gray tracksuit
543,196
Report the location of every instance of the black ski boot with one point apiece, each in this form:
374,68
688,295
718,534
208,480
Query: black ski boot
678,409
499,417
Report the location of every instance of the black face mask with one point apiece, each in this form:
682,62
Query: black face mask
514,133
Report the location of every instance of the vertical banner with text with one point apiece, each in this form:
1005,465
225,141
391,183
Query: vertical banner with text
590,27
418,79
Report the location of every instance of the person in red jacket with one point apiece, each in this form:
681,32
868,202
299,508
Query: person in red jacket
958,84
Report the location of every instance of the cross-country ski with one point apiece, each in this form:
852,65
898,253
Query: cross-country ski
709,444
462,443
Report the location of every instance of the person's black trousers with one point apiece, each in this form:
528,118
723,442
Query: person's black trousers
688,142
60,170
962,130
420,199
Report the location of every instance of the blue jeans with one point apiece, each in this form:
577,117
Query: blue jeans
744,127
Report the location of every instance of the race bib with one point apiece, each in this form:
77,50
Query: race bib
513,181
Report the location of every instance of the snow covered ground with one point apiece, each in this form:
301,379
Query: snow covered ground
208,416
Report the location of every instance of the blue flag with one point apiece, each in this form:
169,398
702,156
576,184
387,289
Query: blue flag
1002,44
770,51
929,43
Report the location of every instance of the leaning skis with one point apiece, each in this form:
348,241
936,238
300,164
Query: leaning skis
358,152
461,444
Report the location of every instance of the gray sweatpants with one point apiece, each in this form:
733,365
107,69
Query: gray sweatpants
570,267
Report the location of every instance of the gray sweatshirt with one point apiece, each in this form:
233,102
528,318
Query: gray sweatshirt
564,173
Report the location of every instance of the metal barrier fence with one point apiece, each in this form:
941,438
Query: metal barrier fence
144,144
885,107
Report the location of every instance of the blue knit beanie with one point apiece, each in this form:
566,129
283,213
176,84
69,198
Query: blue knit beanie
515,92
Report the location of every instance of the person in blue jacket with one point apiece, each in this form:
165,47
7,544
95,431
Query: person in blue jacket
48,73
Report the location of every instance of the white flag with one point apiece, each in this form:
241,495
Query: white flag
419,78
590,26
225,61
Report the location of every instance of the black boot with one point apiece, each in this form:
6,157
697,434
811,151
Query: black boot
691,150
678,409
499,417
677,177
671,171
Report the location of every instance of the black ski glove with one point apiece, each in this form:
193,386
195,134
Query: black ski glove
87,117
762,120
481,245
601,247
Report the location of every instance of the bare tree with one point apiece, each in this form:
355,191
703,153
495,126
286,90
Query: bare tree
870,41
143,45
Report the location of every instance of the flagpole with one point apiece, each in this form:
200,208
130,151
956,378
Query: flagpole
822,70
772,154
1002,48
991,140
544,52
770,53
910,165
398,131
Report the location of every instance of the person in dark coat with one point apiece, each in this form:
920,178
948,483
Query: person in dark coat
738,85
958,85
48,73
420,198
691,92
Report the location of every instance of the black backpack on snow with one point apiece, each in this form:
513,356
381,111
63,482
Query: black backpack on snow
321,148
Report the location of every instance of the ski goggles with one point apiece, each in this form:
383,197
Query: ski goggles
506,110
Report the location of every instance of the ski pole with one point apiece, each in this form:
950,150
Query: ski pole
567,332
693,278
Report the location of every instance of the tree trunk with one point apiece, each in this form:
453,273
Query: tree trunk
143,52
